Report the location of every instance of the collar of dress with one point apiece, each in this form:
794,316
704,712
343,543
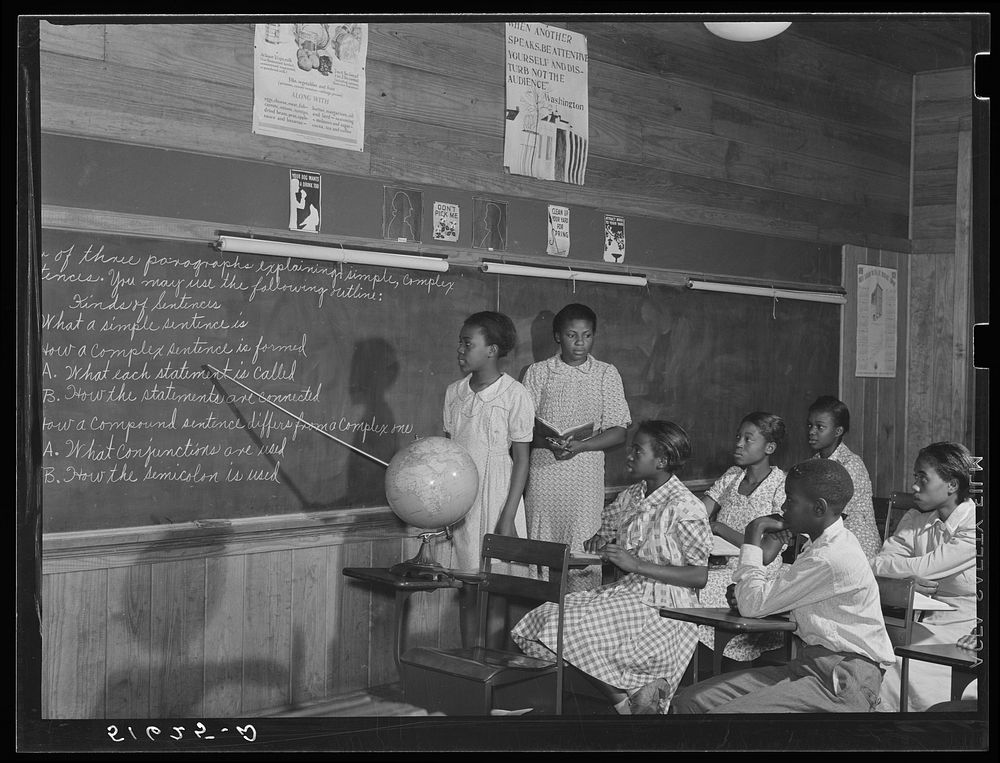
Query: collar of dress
560,367
465,391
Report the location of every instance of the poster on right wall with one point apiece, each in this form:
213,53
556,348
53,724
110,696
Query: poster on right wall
876,340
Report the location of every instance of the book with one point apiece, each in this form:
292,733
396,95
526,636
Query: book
552,432
925,602
722,547
583,558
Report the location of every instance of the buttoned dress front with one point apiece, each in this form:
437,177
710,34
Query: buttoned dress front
486,423
859,514
615,632
736,511
564,499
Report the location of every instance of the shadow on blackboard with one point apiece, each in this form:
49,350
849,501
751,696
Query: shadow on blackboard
543,345
374,369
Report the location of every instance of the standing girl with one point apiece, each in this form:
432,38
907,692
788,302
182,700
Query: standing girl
492,415
828,422
565,493
657,533
750,489
934,543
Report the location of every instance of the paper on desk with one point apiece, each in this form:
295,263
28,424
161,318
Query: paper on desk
925,602
722,547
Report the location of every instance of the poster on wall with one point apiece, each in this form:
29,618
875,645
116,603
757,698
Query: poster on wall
614,238
309,83
303,200
546,130
558,239
876,340
446,221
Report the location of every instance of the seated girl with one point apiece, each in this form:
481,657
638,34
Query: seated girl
657,533
828,421
934,543
750,489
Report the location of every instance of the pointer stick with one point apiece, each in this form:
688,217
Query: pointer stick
297,418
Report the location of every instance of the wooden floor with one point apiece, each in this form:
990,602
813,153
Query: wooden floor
377,701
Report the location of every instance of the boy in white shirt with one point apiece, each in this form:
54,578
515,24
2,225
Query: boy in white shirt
832,597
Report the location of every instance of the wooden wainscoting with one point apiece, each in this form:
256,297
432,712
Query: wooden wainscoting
227,620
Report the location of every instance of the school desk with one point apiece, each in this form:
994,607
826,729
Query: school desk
964,667
728,624
404,586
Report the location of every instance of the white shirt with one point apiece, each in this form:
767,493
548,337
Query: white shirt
926,546
829,590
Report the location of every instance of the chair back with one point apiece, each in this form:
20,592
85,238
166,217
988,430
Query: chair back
900,502
896,596
535,554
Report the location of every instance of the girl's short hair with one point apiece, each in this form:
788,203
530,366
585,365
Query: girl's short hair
952,461
574,312
829,404
770,425
670,441
497,328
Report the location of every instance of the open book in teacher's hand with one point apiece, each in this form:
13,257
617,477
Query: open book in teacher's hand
552,432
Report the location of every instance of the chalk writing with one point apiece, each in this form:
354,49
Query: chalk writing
127,329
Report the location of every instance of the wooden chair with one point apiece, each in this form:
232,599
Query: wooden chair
900,502
477,680
896,595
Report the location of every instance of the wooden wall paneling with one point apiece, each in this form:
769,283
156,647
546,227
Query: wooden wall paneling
895,467
805,134
204,52
943,363
267,627
470,49
921,335
381,641
74,609
310,599
963,298
225,615
128,642
177,639
348,666
828,82
104,103
77,40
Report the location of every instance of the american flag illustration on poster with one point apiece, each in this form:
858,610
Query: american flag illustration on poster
546,130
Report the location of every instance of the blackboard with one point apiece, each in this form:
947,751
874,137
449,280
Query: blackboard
135,432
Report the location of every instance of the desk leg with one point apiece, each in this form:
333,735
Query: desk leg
401,597
904,675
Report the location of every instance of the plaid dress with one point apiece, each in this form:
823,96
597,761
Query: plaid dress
615,632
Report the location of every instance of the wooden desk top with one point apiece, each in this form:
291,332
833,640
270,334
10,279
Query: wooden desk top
382,576
940,654
726,619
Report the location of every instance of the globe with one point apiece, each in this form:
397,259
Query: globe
431,483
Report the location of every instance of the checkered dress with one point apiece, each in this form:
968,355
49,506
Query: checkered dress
615,632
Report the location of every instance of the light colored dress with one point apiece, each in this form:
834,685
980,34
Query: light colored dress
564,499
928,547
860,511
737,510
486,423
615,632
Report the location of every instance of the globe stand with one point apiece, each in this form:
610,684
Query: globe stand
423,565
